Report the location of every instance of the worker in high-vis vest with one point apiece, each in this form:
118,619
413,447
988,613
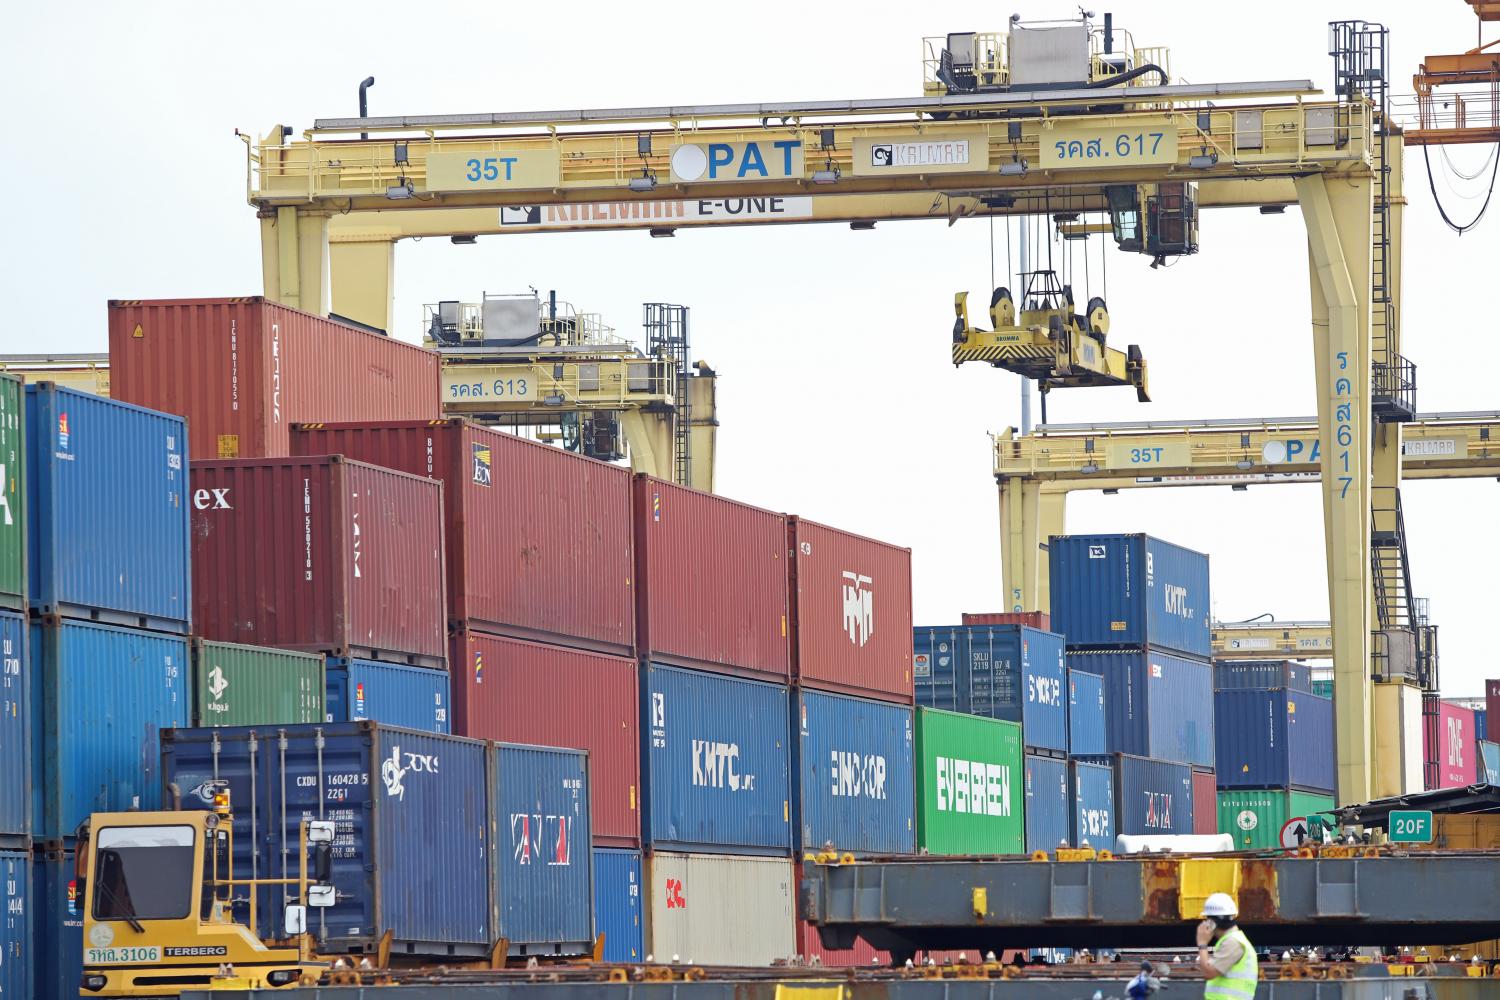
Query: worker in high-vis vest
1225,956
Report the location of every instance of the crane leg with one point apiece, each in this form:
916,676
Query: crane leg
362,274
293,254
1338,218
649,436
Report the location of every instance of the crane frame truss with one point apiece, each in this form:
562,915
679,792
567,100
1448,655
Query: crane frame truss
343,201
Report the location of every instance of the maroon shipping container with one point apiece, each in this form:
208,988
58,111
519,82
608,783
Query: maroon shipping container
539,540
1205,801
1492,709
244,370
851,613
1031,619
319,554
712,580
525,692
862,955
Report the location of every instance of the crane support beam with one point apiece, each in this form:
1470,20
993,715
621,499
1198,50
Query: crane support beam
1272,640
546,387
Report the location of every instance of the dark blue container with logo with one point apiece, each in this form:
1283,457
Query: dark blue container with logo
107,498
17,920
617,903
1008,672
1151,796
1233,675
1086,727
56,924
1156,704
1093,804
1129,590
853,761
16,711
411,810
1274,739
715,765
393,694
1048,805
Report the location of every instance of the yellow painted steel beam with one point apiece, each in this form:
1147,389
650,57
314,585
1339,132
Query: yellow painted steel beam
1272,640
703,428
551,387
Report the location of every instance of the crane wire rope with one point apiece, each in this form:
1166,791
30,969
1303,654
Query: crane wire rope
1448,162
1432,186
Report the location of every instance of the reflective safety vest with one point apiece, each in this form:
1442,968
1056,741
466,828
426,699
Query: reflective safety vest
1239,982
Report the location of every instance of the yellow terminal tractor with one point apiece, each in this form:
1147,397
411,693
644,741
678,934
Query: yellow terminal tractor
163,911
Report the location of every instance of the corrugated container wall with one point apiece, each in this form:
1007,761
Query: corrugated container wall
13,476
851,612
1254,817
1032,619
544,864
1262,674
1049,807
715,763
1006,672
712,582
1274,739
861,956
526,692
17,717
1087,734
322,555
391,694
100,694
253,686
243,370
1205,791
539,540
1481,724
1156,704
970,784
57,924
618,904
1129,590
715,909
1492,701
106,488
1489,762
383,788
1152,796
853,762
17,923
1093,804
1452,733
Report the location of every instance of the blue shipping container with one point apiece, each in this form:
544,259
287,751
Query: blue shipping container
410,808
853,761
106,489
1087,734
16,923
1481,724
715,768
15,727
1152,796
1093,804
57,925
544,886
1231,675
1129,590
1048,806
1007,672
1274,739
617,903
1156,704
392,694
100,694
1489,762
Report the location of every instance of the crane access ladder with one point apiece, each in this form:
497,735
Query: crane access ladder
667,337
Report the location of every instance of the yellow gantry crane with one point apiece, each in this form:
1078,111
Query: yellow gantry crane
1074,115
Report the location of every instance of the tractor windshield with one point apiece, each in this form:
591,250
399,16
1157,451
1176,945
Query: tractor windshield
143,873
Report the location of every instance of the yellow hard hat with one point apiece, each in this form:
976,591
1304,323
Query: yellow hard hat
1220,904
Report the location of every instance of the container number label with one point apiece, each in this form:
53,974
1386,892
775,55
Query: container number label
118,956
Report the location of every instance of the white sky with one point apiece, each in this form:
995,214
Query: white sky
837,399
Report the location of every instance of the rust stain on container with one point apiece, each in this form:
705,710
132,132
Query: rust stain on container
1160,888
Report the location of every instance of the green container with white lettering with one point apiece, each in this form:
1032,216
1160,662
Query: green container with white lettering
970,784
237,685
1254,816
12,492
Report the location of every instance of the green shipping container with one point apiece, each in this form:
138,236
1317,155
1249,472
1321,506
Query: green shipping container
970,786
253,686
12,492
1254,817
1323,689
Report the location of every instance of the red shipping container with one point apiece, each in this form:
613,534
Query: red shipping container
244,370
1452,749
1031,619
862,955
319,554
1205,801
539,540
525,692
1492,709
851,613
712,577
